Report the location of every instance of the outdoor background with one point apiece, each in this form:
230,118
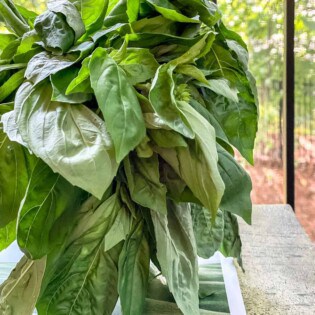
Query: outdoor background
261,25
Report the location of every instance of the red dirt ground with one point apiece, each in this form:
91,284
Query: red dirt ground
267,189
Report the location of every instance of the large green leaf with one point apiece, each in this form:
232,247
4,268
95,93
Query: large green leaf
7,235
238,119
208,236
118,101
20,291
177,255
236,198
169,11
205,180
72,140
93,18
16,165
139,65
134,266
84,279
164,102
144,182
48,200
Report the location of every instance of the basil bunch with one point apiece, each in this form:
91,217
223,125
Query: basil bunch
119,120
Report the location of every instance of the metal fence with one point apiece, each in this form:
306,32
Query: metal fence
269,139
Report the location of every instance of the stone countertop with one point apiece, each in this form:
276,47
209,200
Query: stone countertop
279,262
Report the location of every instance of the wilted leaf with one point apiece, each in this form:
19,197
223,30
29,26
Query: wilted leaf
18,294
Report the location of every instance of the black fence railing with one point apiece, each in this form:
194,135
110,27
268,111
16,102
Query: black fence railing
269,144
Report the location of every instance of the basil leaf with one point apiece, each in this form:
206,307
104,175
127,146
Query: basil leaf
81,83
72,15
118,101
236,198
21,290
84,271
11,129
84,156
205,138
133,10
43,64
209,237
157,24
144,149
211,119
144,182
5,40
139,65
133,276
60,82
221,87
48,197
207,10
193,72
119,230
117,15
7,235
26,49
167,139
55,32
11,85
169,11
93,18
12,18
148,40
15,167
8,67
231,245
29,16
237,119
164,103
194,168
10,50
177,255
